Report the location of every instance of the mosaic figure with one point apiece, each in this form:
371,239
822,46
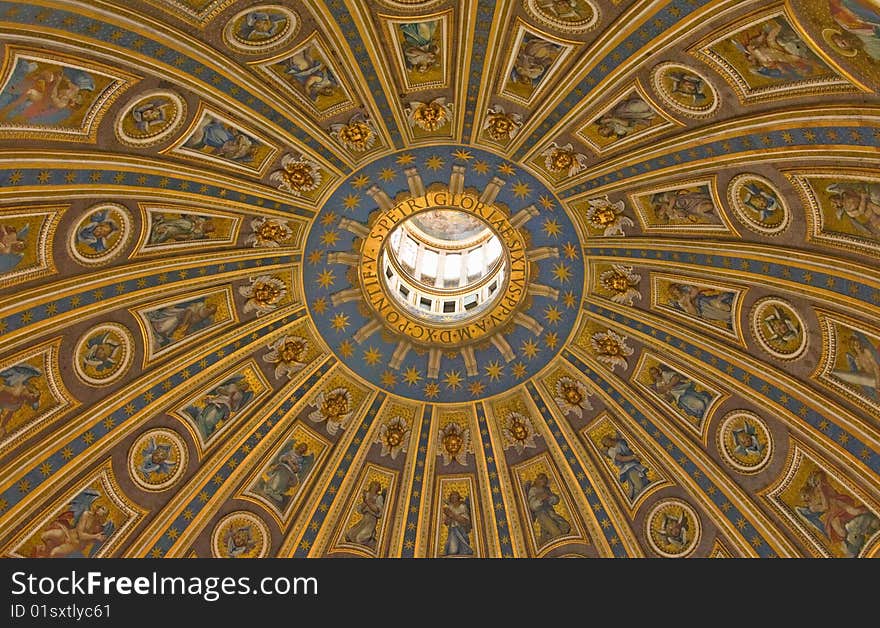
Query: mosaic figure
542,506
457,519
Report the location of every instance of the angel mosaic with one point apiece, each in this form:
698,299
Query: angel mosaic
104,353
778,328
844,207
763,203
308,71
99,232
626,117
631,473
622,283
269,232
79,531
25,237
688,86
456,513
455,442
744,441
221,139
289,354
518,432
534,58
334,407
219,405
611,348
312,73
681,392
563,160
571,396
260,25
860,18
845,522
542,502
239,541
685,205
286,474
393,436
862,365
606,217
684,90
673,528
264,294
49,94
157,112
766,57
13,243
371,508
747,440
775,51
174,322
18,389
180,227
428,116
421,45
850,360
758,204
707,304
857,205
150,118
157,458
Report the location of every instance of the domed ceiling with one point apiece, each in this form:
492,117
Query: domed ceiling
206,351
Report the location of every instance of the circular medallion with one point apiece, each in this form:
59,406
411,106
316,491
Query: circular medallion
444,274
841,44
240,534
778,328
569,16
851,30
103,354
673,528
157,459
408,5
260,28
150,118
684,90
744,441
758,204
100,235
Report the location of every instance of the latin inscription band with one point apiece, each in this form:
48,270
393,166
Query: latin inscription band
397,319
